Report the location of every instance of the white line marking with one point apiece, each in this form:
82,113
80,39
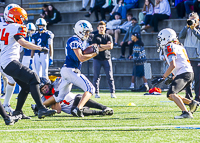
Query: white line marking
97,128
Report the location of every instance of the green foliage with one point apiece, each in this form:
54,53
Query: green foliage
151,120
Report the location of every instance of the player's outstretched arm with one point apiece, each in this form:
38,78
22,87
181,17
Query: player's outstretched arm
81,57
28,45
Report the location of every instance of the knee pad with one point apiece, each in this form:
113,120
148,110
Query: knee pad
34,79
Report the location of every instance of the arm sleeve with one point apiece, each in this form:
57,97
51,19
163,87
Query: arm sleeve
17,37
183,32
196,33
126,35
171,57
110,38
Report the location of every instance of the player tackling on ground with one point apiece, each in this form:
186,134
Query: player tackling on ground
11,35
70,72
176,56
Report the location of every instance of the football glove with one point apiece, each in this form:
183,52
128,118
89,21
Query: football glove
96,49
157,80
50,61
45,50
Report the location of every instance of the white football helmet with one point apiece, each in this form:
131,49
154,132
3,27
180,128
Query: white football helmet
8,7
31,26
165,36
81,27
41,21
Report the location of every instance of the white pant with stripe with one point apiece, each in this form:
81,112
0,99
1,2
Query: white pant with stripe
69,78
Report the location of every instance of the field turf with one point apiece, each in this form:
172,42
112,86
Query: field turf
151,120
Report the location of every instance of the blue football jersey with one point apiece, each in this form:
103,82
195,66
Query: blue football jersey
27,52
73,42
41,39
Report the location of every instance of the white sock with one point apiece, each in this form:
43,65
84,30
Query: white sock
132,84
145,83
8,94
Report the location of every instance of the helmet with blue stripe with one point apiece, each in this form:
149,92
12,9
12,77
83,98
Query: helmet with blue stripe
31,26
41,22
82,29
9,7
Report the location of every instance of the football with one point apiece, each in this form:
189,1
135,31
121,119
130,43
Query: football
89,50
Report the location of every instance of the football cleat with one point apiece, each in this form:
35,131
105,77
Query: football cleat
8,109
113,95
20,114
97,96
34,108
11,120
108,111
77,112
45,112
184,115
193,106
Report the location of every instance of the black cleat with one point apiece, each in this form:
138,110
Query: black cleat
35,109
184,115
193,106
108,111
77,112
20,113
11,120
45,112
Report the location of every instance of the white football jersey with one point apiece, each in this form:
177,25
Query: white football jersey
10,48
178,52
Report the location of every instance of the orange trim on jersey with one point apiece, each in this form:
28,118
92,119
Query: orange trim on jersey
23,34
47,96
171,54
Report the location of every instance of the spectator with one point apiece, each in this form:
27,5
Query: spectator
133,28
85,3
54,15
191,34
148,10
139,58
197,7
115,9
44,11
112,25
188,3
126,5
105,42
121,29
107,7
96,9
164,13
180,8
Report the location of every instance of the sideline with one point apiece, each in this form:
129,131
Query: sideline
104,128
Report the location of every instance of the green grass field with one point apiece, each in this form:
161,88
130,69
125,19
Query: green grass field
151,120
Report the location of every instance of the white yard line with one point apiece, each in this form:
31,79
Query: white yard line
102,128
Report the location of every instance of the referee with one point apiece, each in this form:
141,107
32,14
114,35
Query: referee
105,42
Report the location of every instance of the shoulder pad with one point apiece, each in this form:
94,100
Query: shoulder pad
170,49
22,30
50,34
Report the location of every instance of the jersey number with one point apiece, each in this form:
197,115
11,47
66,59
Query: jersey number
39,41
169,49
4,37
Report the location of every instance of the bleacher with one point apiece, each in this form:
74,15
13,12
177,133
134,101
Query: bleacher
122,68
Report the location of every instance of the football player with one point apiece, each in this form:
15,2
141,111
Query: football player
70,101
12,33
27,59
42,38
70,71
9,88
176,56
